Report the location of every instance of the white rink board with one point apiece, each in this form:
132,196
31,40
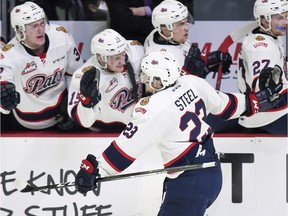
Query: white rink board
264,182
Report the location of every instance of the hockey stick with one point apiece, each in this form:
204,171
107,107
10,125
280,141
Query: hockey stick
33,188
229,40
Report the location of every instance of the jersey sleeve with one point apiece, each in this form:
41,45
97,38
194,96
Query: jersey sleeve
225,105
124,150
74,59
83,115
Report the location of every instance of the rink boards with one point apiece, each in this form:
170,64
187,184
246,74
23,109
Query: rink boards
254,177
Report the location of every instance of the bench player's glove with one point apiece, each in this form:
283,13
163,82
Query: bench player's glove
65,123
263,100
270,77
194,64
215,58
9,96
86,177
89,87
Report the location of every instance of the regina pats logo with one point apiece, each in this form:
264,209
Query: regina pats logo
30,67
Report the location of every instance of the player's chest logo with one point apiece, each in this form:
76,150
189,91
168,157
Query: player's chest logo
124,98
112,85
30,67
40,83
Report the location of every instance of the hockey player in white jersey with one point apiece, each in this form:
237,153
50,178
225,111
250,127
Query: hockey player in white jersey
174,119
263,49
171,22
36,68
106,88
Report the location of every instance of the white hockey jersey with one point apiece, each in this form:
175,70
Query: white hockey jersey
173,119
40,80
180,51
260,50
117,101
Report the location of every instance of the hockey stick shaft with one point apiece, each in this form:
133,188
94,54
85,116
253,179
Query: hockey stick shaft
31,188
229,40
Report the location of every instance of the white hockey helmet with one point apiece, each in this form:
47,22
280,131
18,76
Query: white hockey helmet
108,43
167,13
267,8
161,66
23,14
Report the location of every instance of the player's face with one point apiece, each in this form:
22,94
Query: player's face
279,24
116,63
180,31
35,34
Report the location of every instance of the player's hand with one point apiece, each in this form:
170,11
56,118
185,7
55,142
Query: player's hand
194,64
86,177
263,100
215,58
270,77
9,96
89,87
64,122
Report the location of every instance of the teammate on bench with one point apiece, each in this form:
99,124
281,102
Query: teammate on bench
36,67
262,52
171,22
105,89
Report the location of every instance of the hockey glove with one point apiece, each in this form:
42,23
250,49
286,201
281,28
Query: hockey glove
270,77
65,123
86,177
9,96
194,64
263,100
89,87
214,60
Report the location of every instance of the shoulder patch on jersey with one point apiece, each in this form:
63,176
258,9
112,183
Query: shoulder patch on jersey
260,38
144,101
85,69
260,44
61,28
141,110
7,47
135,43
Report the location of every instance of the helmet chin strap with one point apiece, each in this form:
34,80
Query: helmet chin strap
170,38
25,44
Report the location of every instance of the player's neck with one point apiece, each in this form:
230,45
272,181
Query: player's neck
39,50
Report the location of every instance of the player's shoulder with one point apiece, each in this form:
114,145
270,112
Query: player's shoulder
85,67
135,49
145,107
11,50
259,41
58,30
149,39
